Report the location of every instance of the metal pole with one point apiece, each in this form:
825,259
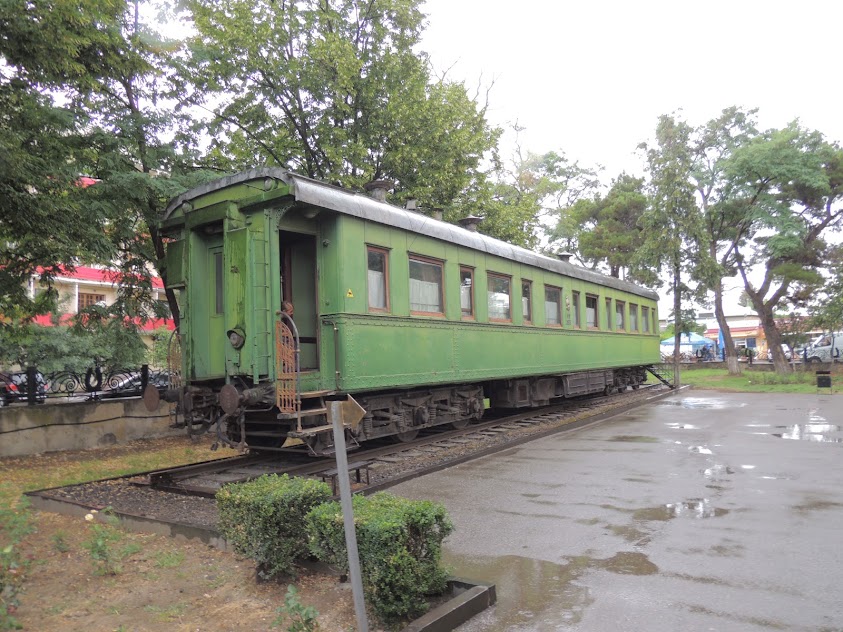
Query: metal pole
335,411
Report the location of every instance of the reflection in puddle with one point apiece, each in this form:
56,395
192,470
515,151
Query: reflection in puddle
809,432
716,472
540,595
634,439
702,402
695,508
699,449
675,426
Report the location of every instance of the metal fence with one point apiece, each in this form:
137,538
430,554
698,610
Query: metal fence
33,387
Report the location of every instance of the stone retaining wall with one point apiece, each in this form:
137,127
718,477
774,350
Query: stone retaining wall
54,426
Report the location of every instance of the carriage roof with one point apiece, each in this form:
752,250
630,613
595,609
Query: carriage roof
321,194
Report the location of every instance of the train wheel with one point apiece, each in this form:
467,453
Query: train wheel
460,424
406,436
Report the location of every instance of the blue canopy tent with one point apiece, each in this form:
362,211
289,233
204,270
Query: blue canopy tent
688,343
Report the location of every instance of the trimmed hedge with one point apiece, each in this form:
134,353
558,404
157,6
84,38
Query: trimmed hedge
400,544
264,519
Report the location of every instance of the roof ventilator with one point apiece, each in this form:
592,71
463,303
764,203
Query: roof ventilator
378,188
470,223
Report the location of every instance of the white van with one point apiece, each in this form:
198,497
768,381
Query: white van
826,348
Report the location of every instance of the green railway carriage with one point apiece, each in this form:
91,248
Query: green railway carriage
420,320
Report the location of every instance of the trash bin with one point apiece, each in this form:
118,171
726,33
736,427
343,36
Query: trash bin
823,379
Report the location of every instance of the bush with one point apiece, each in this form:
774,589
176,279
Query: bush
264,519
400,544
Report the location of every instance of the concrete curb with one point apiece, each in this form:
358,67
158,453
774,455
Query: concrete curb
470,598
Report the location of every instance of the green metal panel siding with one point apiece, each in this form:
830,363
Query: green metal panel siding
382,352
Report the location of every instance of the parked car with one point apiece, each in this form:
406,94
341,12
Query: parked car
14,388
826,348
131,385
785,350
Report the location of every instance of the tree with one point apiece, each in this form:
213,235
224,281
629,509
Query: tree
45,222
59,348
671,221
791,184
723,226
608,228
826,307
522,191
334,91
109,70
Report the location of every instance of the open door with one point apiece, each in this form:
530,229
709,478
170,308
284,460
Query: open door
298,286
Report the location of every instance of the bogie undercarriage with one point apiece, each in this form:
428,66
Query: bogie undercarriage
247,417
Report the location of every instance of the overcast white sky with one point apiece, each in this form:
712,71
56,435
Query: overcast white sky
590,78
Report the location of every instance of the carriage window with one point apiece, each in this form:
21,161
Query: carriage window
552,305
426,286
467,292
500,297
645,319
633,317
575,300
609,314
619,314
527,300
218,302
378,278
591,311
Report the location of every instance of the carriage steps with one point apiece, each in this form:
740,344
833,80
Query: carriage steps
663,373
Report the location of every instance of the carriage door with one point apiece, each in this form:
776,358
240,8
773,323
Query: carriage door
216,312
298,286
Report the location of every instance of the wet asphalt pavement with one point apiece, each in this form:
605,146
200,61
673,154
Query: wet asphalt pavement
702,511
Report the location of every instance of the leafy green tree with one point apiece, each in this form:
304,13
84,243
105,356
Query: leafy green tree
723,224
335,91
45,222
608,228
791,184
110,73
60,348
826,307
671,222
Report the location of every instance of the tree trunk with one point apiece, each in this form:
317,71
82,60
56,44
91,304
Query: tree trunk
677,322
730,353
774,338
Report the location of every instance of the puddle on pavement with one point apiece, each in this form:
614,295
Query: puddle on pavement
817,429
718,471
808,432
697,508
630,534
676,426
700,449
634,439
818,505
540,595
702,402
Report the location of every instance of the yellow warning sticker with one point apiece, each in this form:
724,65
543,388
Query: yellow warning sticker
349,294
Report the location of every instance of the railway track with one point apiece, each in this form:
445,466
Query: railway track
379,464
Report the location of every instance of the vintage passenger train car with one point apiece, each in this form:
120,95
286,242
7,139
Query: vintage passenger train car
422,321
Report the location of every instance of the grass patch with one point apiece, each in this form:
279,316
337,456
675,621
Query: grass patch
170,613
19,475
753,381
169,559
